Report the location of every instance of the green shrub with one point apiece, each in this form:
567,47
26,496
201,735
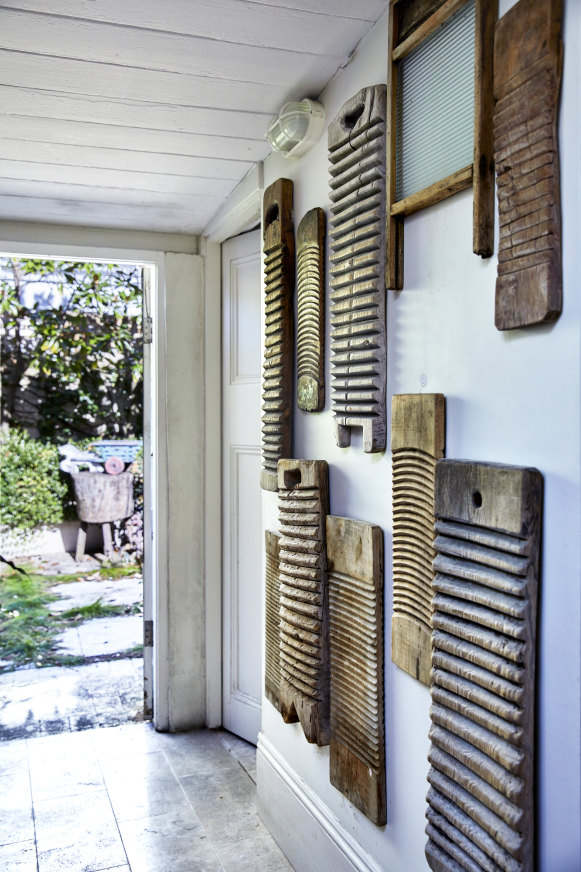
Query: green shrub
31,489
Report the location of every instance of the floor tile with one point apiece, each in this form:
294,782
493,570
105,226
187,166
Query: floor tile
125,740
56,776
18,857
213,790
13,757
168,843
116,869
249,855
198,752
83,856
64,822
16,821
142,785
243,751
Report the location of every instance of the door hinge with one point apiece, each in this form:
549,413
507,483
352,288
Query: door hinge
147,330
148,634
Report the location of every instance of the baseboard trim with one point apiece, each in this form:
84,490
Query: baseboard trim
307,831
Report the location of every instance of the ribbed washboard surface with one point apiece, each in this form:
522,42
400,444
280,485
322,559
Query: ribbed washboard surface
303,492
357,753
272,618
527,76
417,441
358,342
279,277
481,803
311,311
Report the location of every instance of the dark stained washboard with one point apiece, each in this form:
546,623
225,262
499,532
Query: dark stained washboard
358,336
303,492
357,752
279,279
311,311
418,431
272,618
527,80
481,798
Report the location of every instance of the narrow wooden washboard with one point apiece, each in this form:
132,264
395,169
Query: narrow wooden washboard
272,619
527,79
311,311
418,431
279,279
304,627
357,753
481,802
358,337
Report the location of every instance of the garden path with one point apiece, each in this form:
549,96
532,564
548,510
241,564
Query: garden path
106,689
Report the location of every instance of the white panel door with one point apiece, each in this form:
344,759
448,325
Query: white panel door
241,494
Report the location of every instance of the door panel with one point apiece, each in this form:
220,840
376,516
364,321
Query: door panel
241,495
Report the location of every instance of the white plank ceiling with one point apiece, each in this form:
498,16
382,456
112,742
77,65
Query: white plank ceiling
146,114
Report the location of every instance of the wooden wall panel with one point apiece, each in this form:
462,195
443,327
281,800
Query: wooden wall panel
418,431
481,797
527,79
311,311
272,618
279,280
358,337
357,753
304,632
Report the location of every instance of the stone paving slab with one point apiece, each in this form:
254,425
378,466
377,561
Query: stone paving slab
35,702
102,636
59,563
126,591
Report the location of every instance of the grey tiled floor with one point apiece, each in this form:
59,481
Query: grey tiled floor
132,800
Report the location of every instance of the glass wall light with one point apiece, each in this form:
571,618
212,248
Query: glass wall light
296,128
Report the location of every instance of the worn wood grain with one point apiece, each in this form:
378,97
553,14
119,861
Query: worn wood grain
272,618
433,194
527,79
481,796
358,334
277,375
423,30
412,13
311,311
418,431
483,179
303,492
357,753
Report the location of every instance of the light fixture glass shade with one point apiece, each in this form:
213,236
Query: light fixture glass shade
296,128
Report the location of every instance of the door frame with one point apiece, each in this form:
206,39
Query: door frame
241,212
155,605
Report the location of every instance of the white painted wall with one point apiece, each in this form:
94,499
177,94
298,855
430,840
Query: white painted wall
511,398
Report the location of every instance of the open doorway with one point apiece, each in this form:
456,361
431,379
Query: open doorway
73,370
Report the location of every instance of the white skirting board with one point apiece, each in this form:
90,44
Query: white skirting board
304,827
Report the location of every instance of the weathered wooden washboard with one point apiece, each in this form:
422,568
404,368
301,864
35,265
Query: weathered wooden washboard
272,618
357,752
303,491
527,79
418,431
481,801
358,337
279,279
311,311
